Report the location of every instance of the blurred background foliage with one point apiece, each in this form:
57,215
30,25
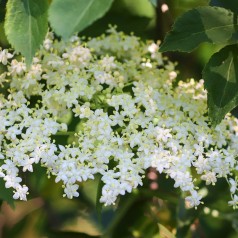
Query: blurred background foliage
152,211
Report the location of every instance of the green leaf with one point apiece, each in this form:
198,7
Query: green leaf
154,2
221,81
202,24
71,16
26,25
228,4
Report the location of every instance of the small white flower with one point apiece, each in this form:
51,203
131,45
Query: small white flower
162,134
147,64
233,185
172,75
27,164
12,181
21,192
210,178
4,56
108,63
71,190
234,201
194,200
108,197
47,44
153,48
17,68
1,156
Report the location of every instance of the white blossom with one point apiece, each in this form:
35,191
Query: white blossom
21,192
130,118
4,56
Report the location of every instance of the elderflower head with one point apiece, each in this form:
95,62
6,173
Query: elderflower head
129,115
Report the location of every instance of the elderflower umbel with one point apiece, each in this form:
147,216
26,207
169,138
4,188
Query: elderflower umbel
129,115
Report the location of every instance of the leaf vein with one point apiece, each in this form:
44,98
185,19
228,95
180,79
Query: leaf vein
82,15
228,76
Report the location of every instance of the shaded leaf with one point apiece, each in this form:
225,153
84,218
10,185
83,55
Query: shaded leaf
202,24
221,81
232,217
138,24
228,4
26,25
99,194
185,218
6,194
129,209
2,10
69,17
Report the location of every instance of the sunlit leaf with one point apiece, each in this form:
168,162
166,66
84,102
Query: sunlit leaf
26,25
164,232
71,16
221,81
202,24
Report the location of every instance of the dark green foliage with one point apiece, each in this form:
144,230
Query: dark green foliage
6,194
228,4
216,25
202,24
221,82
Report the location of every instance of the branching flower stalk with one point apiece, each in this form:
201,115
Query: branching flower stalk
130,118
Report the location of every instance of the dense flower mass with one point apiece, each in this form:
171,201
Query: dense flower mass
130,117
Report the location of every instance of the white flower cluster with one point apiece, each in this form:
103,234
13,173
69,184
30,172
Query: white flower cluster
130,118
